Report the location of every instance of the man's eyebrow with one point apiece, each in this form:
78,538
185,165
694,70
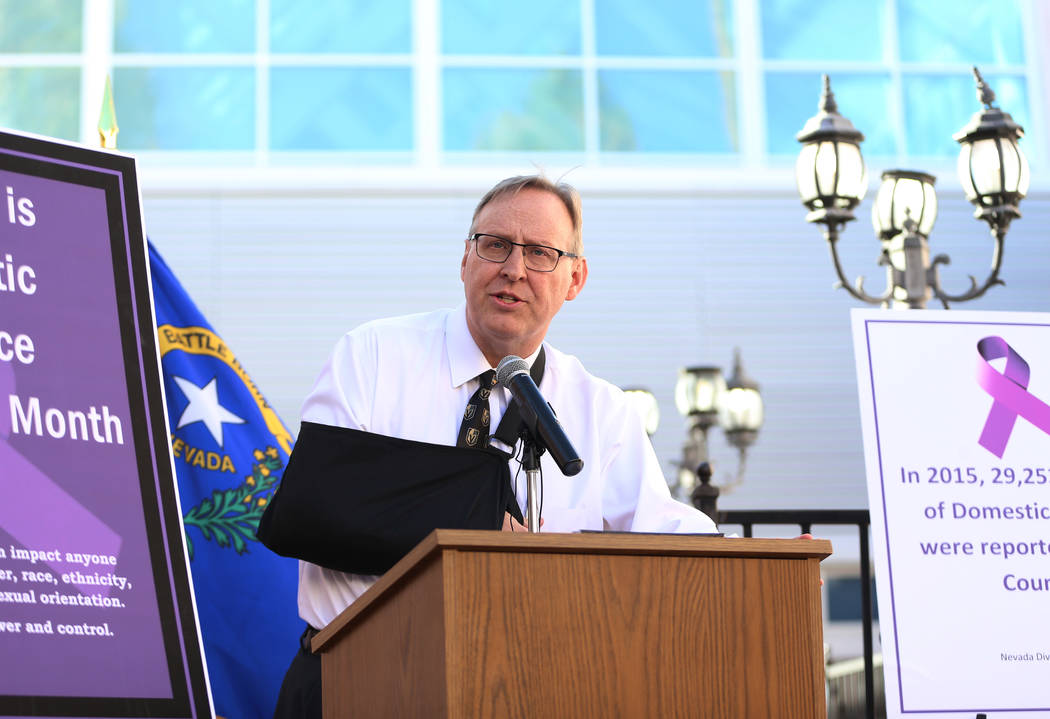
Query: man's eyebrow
543,243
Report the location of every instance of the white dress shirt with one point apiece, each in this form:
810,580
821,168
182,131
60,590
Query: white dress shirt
411,377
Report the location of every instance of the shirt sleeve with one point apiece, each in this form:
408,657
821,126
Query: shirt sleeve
637,497
344,393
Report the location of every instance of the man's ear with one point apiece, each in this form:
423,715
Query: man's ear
579,278
463,262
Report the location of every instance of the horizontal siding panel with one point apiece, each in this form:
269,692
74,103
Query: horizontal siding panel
675,281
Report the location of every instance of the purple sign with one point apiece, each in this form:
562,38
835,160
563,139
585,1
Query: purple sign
95,611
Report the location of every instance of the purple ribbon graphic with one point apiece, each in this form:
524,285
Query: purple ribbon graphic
27,493
1009,389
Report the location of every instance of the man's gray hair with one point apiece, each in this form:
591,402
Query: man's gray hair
562,190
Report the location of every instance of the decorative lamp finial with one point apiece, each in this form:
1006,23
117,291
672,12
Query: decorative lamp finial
985,94
827,98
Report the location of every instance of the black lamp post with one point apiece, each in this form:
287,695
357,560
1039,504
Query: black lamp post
832,180
707,399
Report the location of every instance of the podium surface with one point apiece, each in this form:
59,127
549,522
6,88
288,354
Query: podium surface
500,624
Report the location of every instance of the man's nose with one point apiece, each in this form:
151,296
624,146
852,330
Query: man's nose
514,266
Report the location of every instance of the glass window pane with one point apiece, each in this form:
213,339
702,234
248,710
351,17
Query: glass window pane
537,27
363,26
822,30
969,31
44,100
667,111
40,26
794,97
184,26
185,108
340,108
512,109
955,100
664,28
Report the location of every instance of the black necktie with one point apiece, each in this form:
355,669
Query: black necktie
474,431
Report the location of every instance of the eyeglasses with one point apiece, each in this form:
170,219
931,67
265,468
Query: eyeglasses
539,258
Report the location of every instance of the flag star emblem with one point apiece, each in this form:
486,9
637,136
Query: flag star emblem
204,407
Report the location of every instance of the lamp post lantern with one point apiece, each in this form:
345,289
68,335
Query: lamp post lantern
647,407
707,399
830,171
832,179
992,169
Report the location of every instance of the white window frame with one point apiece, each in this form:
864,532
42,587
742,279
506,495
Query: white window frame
429,163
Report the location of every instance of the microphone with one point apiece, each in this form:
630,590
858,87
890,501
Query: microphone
513,373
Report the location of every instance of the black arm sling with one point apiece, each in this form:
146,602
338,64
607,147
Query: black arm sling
358,502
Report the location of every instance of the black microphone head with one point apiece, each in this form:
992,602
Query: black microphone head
509,367
572,467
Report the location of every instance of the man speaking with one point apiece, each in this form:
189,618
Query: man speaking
422,386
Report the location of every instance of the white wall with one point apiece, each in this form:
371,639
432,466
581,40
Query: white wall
678,276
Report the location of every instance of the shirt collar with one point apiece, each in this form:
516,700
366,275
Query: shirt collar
465,360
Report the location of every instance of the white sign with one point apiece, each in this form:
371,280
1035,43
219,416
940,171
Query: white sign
957,451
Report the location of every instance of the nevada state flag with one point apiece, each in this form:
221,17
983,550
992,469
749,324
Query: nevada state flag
229,448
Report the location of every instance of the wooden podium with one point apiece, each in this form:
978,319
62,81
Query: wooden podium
496,624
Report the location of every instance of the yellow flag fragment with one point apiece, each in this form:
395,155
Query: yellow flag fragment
107,119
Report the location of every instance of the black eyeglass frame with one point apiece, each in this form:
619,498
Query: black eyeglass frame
561,253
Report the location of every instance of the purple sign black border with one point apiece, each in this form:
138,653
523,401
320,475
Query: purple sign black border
116,176
885,518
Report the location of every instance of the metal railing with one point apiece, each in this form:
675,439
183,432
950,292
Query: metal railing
805,519
846,695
